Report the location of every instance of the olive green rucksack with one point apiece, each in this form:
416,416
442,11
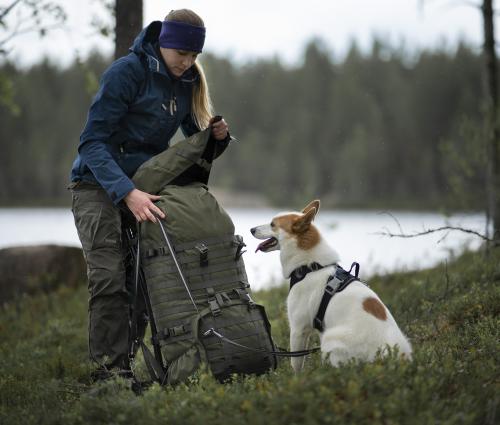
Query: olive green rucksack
209,256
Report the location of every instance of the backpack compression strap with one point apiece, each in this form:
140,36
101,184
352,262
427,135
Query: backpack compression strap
279,353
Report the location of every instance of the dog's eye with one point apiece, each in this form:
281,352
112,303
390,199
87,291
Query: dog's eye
272,224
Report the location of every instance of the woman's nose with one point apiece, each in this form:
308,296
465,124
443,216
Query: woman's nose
188,62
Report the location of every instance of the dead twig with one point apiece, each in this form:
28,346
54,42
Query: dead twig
404,235
438,229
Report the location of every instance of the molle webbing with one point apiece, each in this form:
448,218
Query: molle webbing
201,283
219,287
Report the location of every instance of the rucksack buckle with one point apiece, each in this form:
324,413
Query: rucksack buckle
203,250
239,249
214,307
177,331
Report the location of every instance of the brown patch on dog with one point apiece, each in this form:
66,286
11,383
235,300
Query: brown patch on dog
306,239
309,239
375,308
286,222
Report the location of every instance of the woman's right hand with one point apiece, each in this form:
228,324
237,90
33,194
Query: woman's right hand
141,205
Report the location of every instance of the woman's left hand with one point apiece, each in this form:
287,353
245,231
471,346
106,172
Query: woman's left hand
220,129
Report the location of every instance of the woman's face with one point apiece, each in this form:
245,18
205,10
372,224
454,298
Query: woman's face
178,61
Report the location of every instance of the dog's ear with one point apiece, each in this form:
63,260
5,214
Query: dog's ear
303,223
314,204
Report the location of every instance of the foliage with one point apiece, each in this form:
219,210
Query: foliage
25,16
451,314
373,130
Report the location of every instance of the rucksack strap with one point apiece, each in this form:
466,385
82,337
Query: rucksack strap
155,369
278,353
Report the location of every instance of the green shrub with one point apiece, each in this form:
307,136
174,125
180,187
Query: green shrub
450,313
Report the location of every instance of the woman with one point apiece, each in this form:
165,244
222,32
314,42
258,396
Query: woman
143,99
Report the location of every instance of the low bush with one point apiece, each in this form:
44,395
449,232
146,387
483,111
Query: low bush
450,313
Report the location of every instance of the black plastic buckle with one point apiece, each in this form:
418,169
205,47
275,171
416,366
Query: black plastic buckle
330,290
214,307
203,249
239,249
177,331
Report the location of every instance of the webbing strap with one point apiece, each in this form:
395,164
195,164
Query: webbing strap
195,262
154,368
203,163
299,353
208,241
170,288
197,272
186,258
336,283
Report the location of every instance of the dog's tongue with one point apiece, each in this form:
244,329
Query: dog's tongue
259,247
262,245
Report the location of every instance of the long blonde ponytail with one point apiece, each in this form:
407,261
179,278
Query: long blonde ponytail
201,103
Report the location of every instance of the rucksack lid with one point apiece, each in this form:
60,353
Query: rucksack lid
153,175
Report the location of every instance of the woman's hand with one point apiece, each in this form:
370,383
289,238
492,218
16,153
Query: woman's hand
220,129
141,205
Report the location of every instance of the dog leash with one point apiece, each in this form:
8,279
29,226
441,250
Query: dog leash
279,353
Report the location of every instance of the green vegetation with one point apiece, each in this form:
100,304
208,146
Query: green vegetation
451,314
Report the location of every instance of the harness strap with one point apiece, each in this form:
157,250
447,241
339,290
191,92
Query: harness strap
301,272
335,283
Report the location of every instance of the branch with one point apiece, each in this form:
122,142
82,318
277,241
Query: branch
7,10
439,229
430,231
41,30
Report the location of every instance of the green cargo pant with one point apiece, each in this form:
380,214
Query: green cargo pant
98,222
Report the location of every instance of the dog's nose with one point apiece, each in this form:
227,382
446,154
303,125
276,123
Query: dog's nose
252,230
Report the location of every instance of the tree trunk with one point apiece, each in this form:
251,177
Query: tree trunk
128,24
493,121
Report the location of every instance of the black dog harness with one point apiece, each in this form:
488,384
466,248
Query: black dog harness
336,282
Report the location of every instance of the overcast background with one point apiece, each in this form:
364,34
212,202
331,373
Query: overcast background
262,28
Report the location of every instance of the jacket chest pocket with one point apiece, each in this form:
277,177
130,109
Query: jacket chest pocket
163,128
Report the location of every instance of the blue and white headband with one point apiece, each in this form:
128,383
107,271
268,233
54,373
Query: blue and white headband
182,36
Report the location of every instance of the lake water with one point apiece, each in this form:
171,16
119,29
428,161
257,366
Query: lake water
352,233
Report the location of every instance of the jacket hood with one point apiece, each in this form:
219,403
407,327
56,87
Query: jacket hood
145,45
144,42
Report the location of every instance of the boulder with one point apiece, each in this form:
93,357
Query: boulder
39,268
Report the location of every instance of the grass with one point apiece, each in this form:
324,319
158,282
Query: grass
451,314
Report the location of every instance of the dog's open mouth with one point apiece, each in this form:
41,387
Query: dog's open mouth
267,245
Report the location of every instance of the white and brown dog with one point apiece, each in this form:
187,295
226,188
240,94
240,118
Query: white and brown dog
356,323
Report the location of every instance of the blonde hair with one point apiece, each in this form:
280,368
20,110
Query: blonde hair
201,103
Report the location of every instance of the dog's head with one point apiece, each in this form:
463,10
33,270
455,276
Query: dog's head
285,227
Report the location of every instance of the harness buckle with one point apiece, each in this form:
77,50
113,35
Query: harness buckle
331,289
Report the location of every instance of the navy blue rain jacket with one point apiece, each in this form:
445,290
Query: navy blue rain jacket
135,113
